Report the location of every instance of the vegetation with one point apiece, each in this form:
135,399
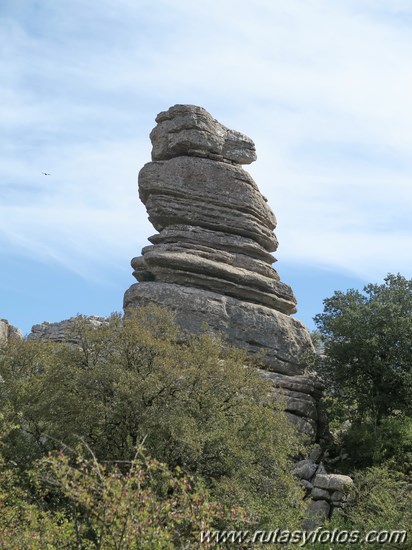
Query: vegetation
104,506
367,338
364,343
208,420
381,504
139,436
367,367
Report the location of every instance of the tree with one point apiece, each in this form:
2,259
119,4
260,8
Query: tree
381,505
367,362
196,403
140,505
368,346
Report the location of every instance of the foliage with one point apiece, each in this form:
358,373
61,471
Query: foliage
368,344
317,342
367,368
381,501
103,507
194,401
388,443
24,524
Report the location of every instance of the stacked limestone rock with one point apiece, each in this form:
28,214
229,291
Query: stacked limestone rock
211,260
328,492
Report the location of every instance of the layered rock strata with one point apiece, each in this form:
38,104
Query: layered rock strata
211,260
63,331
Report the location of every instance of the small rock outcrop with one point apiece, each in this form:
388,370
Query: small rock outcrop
62,331
8,331
327,492
211,260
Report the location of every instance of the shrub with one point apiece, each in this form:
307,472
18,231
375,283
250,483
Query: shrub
196,402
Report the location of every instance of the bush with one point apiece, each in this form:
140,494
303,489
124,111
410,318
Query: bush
367,344
382,501
195,402
105,507
388,443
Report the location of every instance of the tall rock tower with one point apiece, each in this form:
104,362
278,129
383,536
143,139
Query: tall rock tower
211,259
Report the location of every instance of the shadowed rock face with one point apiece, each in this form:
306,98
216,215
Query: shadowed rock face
211,259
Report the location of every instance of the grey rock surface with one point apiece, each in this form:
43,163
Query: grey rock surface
316,453
333,482
307,485
317,512
321,486
207,193
8,331
305,469
62,331
211,260
217,240
4,330
217,272
337,497
320,494
191,130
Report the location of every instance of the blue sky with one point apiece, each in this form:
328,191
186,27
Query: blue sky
323,88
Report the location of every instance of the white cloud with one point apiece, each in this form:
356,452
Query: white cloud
322,87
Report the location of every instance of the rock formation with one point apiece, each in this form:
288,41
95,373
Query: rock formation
62,331
327,492
8,331
211,260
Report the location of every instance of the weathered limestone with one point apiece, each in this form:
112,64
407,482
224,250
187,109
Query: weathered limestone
4,330
318,512
333,482
190,130
211,260
211,194
62,331
8,331
334,490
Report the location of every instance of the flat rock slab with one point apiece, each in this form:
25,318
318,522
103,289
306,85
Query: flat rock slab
195,236
216,272
333,482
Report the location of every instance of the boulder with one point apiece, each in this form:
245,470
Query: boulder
191,130
333,482
305,469
320,494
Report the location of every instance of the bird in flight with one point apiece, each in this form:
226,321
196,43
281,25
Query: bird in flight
46,174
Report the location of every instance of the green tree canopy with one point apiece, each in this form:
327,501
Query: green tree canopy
368,347
195,402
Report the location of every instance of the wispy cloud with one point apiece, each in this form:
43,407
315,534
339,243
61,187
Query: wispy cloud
322,87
